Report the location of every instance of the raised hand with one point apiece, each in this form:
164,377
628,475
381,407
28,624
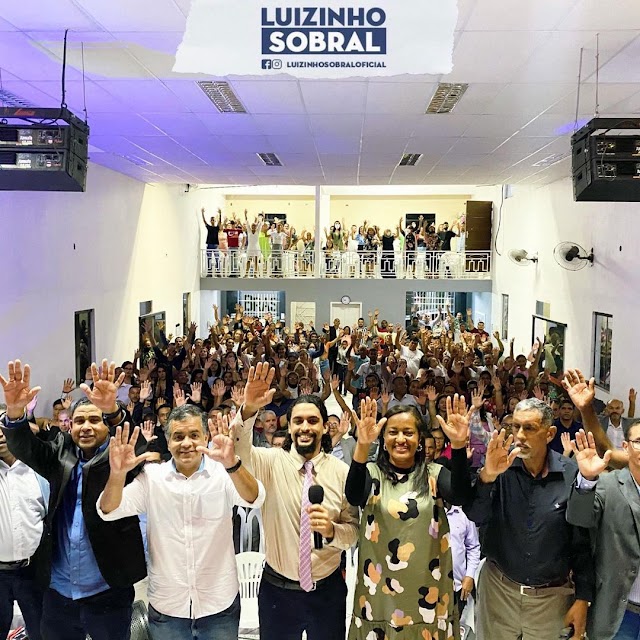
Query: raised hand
580,391
222,442
476,398
196,392
218,388
151,364
345,423
17,389
498,459
31,407
179,399
335,382
470,450
591,465
305,388
237,395
537,392
368,428
565,438
122,451
432,394
632,395
145,391
258,392
421,398
146,429
66,402
68,385
456,427
105,387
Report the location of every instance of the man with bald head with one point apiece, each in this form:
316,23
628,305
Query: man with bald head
613,421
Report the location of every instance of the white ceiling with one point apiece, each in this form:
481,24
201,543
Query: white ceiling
520,58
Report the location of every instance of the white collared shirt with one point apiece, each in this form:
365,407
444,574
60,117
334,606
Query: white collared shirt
615,434
22,510
192,565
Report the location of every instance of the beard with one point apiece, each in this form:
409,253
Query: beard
305,449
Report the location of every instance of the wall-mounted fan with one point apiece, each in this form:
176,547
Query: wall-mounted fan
521,257
572,256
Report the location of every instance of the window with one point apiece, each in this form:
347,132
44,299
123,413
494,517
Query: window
602,338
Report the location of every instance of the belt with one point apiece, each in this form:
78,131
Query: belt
634,607
562,584
278,580
14,565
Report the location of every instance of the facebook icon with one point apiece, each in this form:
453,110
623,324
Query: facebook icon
266,64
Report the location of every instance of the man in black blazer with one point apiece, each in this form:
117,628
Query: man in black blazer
88,566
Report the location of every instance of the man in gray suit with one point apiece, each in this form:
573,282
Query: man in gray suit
342,447
610,505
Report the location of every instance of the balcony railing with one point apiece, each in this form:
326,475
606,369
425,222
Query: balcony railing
474,265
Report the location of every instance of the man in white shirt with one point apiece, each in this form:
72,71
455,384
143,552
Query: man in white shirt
412,355
193,581
23,506
614,423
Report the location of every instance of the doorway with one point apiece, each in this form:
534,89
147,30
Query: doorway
347,313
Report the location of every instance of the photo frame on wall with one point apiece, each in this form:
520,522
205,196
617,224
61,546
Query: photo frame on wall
505,317
83,330
602,344
553,333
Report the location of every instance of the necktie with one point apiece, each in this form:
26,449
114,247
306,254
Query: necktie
304,572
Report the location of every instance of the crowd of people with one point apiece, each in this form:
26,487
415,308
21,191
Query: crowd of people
274,248
446,448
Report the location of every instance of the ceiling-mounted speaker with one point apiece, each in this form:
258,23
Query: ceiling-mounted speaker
606,160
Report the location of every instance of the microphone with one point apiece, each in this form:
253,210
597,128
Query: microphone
316,496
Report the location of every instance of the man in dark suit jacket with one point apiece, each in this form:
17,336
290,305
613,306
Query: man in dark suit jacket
88,566
610,506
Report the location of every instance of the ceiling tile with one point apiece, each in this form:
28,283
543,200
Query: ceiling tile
141,15
270,97
336,124
150,96
399,98
542,15
28,16
320,96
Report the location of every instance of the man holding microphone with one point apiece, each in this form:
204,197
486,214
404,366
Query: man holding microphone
302,587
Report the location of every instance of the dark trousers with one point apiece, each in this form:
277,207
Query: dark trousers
341,371
285,614
19,586
105,616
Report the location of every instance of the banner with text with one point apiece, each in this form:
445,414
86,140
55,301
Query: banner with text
333,39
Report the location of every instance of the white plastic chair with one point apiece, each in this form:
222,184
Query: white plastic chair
250,565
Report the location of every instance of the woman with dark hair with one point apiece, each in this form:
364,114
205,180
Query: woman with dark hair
405,566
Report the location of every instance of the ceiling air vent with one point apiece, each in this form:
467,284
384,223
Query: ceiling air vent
8,99
446,97
270,159
222,96
410,160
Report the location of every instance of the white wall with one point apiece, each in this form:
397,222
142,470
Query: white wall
108,249
537,219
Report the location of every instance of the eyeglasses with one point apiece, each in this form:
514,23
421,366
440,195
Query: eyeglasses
635,444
